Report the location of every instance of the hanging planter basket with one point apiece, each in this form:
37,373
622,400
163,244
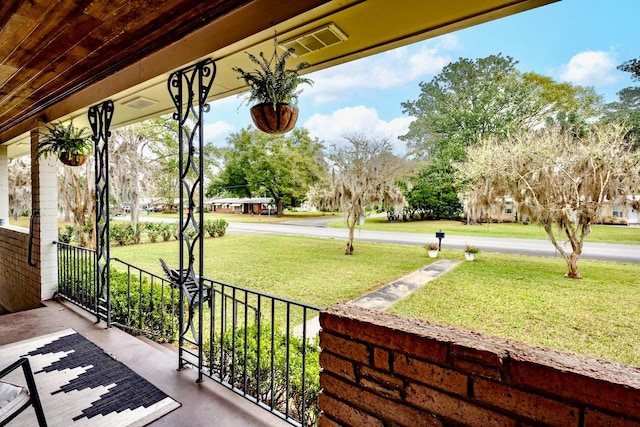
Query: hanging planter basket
72,160
280,119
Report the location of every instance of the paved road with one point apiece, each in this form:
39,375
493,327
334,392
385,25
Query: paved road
603,251
317,228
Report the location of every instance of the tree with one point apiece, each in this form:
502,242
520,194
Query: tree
364,173
631,66
162,135
627,109
280,166
435,190
144,160
19,188
471,100
559,180
77,188
128,170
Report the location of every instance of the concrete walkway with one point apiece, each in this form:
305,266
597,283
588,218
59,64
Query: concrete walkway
384,297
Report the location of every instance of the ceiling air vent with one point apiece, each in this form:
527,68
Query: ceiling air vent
327,35
139,103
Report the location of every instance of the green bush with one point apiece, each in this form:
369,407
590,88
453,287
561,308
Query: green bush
216,228
221,354
168,230
141,227
76,277
221,229
121,233
154,230
65,234
152,309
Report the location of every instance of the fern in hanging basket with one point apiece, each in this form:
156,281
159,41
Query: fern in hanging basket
70,144
272,82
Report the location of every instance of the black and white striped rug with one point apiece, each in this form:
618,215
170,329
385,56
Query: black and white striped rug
80,385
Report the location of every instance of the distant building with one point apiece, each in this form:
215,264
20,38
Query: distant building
244,205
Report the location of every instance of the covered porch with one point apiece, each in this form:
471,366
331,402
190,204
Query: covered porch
127,62
200,402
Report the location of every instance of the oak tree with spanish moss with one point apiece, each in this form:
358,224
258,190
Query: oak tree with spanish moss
363,173
558,180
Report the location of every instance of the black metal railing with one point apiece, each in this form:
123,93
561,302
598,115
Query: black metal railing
76,276
142,302
261,346
265,348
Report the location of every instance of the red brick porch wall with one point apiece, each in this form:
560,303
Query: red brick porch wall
383,370
19,284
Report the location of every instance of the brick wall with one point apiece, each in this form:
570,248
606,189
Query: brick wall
44,199
19,283
384,370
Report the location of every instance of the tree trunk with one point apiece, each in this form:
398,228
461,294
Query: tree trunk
135,214
572,263
571,259
349,250
351,224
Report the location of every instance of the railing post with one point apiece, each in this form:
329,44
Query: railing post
100,120
189,88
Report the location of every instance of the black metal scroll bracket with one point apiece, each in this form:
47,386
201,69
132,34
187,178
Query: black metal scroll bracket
189,88
100,116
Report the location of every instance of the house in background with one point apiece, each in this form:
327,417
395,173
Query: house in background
246,205
506,210
622,214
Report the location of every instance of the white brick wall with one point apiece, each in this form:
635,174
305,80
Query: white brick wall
45,200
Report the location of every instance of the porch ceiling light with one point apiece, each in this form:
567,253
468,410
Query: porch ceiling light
139,103
314,40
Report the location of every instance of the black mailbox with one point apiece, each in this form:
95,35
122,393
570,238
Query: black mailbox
440,236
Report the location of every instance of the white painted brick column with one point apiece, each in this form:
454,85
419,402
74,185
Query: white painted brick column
4,185
45,199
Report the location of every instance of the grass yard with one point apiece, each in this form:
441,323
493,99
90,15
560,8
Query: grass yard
527,299
520,297
599,233
313,271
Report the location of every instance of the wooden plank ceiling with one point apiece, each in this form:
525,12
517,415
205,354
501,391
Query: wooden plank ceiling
50,49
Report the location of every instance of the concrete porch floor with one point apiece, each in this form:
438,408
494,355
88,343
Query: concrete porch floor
204,404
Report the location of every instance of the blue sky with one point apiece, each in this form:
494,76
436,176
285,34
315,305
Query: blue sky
578,41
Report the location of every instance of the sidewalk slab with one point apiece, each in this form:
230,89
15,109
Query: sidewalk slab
386,296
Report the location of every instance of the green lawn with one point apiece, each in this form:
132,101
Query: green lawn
520,297
527,299
599,233
313,271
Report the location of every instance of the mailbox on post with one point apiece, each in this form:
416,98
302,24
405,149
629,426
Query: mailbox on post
440,236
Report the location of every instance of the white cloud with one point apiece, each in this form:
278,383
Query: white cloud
448,42
591,68
357,120
386,70
217,132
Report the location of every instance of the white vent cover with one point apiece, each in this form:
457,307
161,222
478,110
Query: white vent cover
317,39
139,103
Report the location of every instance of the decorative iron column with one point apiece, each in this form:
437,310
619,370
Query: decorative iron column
100,120
189,88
